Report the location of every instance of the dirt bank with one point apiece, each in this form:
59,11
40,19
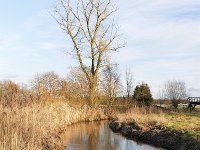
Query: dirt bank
156,135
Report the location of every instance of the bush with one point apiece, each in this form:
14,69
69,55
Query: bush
142,95
175,103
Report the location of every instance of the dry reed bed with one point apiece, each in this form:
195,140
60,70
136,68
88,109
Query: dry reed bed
143,116
38,126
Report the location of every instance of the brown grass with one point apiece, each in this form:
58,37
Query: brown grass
143,116
38,126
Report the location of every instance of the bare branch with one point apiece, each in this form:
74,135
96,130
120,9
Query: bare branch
87,24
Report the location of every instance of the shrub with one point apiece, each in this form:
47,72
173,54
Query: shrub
175,91
142,95
175,103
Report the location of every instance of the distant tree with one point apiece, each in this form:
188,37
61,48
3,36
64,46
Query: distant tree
9,92
49,84
160,97
111,82
175,91
129,83
142,95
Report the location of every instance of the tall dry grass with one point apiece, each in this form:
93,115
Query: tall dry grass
37,127
144,116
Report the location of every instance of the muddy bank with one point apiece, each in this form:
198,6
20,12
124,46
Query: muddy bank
156,135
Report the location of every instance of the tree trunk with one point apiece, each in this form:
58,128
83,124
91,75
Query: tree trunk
92,90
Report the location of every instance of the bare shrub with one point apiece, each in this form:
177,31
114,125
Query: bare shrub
175,91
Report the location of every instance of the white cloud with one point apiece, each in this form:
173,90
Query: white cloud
51,46
37,21
8,76
7,42
194,92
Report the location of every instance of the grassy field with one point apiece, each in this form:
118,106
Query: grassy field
180,106
189,123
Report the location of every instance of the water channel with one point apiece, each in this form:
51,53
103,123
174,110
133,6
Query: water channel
98,136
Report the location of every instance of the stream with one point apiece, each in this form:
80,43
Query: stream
98,136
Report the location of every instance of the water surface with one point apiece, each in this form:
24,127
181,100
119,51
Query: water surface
98,136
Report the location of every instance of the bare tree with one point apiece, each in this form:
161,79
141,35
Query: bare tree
78,83
48,84
93,34
111,82
175,91
9,92
129,83
161,96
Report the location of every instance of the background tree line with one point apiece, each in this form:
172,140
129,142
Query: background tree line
49,87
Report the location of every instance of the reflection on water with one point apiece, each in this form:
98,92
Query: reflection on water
98,136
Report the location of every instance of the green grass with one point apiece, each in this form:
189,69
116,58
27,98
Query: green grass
180,106
185,122
189,123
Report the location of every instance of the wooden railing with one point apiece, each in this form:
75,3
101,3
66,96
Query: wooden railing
192,102
193,99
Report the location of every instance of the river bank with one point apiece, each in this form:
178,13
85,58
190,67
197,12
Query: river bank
157,135
40,126
54,141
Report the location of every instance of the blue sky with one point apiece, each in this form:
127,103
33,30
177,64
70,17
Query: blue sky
163,41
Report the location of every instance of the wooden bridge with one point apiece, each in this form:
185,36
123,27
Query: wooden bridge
192,102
